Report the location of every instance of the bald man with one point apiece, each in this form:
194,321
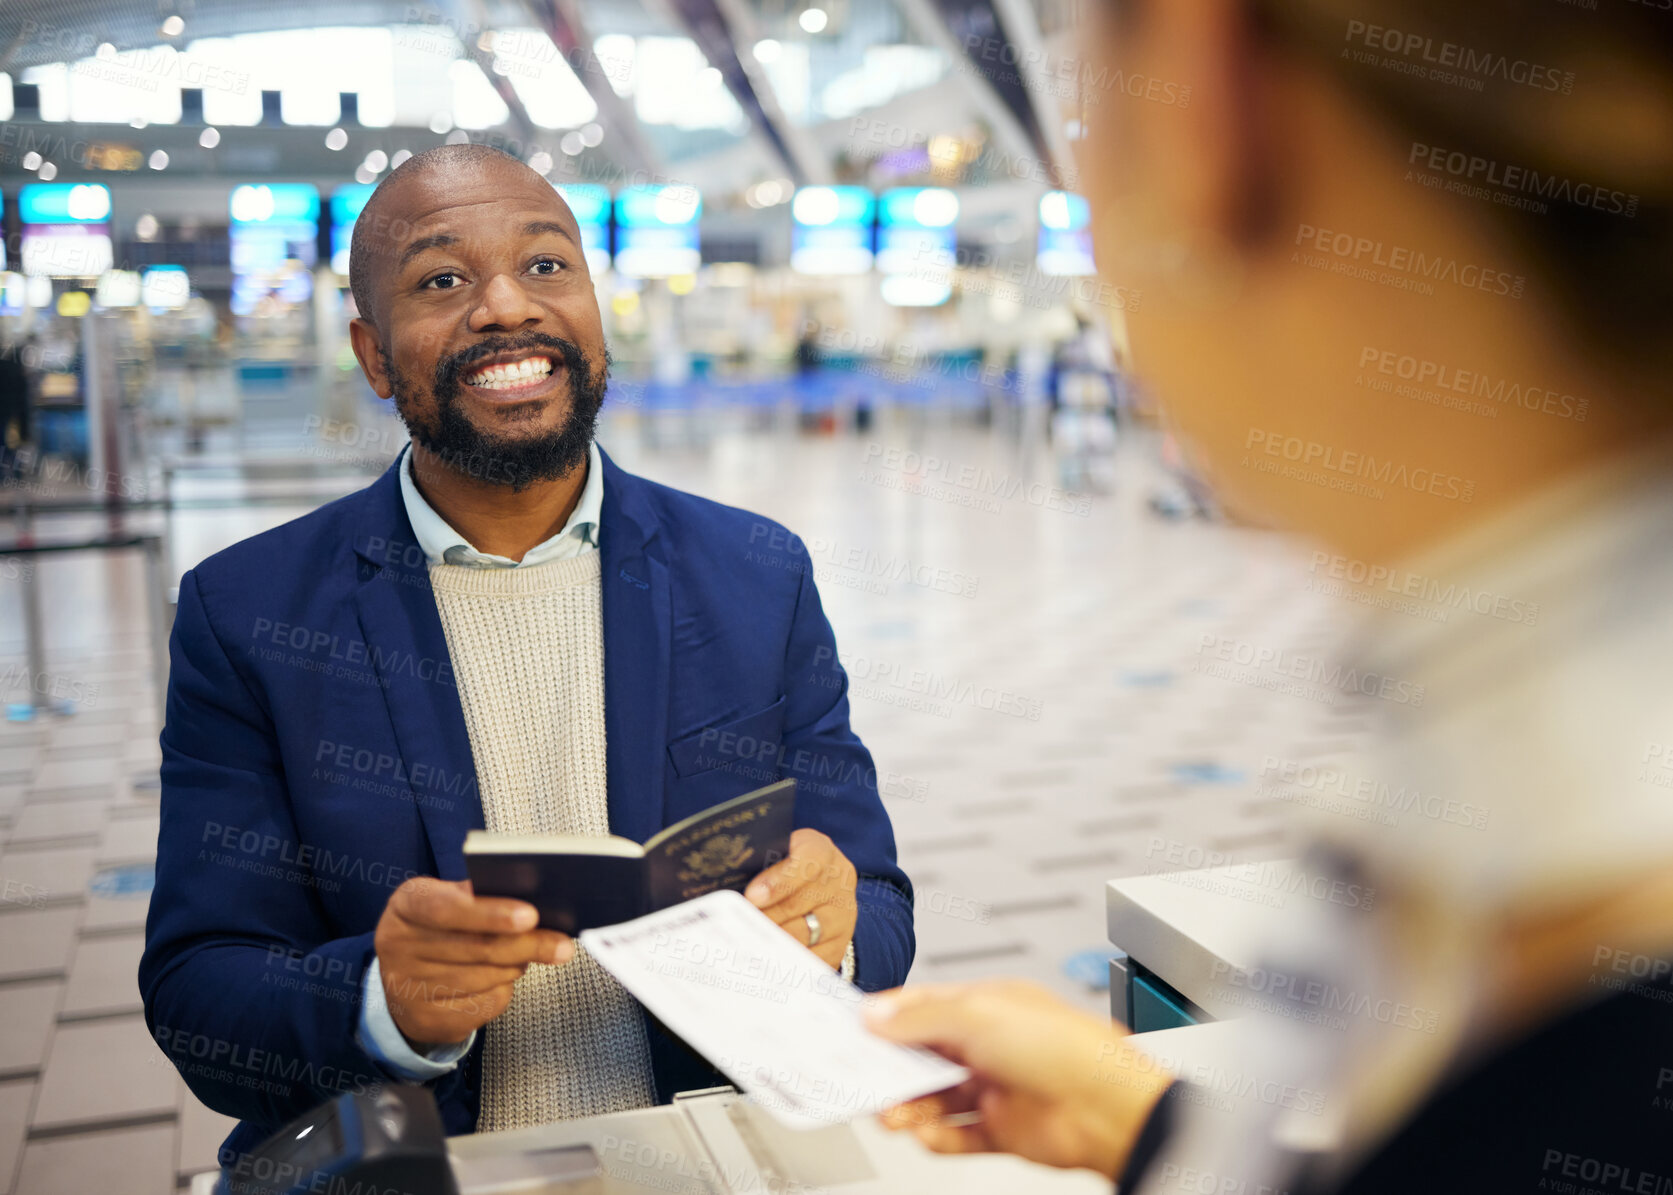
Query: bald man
504,631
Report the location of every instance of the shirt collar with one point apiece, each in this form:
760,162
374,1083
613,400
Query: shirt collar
443,545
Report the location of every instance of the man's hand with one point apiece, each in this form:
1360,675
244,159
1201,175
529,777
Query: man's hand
449,958
815,878
1048,1082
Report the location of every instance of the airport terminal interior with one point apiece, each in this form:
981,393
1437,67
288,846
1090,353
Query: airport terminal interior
842,256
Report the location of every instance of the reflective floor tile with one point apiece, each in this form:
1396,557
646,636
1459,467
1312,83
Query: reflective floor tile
103,977
27,1012
36,942
104,1071
137,1161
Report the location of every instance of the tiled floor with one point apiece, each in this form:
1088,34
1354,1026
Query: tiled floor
1022,673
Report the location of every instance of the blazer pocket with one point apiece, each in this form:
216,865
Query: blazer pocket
753,738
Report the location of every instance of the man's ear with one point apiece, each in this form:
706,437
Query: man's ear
368,350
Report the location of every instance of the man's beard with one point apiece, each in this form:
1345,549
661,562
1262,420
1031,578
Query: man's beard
515,462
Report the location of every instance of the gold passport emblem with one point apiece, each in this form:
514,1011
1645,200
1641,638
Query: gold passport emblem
719,855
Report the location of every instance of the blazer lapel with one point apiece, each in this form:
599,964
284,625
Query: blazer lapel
637,635
408,649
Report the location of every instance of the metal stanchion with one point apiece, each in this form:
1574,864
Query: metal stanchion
156,598
33,635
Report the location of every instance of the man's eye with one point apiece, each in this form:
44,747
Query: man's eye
547,261
442,282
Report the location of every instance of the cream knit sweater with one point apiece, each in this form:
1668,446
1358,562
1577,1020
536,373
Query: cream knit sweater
527,646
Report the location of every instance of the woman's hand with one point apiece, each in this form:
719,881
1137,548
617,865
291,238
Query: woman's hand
1048,1082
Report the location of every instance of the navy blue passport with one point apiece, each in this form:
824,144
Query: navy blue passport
582,883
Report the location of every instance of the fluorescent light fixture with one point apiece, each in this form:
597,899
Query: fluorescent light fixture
117,288
935,207
66,251
590,205
832,231
907,290
1064,211
1065,245
64,203
815,206
165,288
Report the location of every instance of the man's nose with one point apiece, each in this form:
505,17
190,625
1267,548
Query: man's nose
504,306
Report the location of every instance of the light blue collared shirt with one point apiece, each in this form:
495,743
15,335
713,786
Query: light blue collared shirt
443,545
378,1035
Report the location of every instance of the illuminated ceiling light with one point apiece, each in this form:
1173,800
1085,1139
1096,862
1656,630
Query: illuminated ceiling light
944,147
440,123
336,139
401,155
592,134
677,204
48,171
173,27
137,122
572,144
146,227
87,201
730,273
363,175
625,302
682,284
458,137
935,207
31,160
376,161
252,204
768,50
815,206
1054,210
210,137
159,160
105,51
813,20
485,41
540,161
905,290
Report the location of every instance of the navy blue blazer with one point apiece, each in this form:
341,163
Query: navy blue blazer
315,757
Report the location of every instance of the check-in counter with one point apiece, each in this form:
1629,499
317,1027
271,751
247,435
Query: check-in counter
718,1143
1181,935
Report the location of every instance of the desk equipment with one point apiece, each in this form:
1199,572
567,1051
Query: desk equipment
388,1139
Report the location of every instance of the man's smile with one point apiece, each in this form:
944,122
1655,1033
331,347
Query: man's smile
513,375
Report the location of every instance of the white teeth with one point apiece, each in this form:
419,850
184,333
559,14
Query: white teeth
511,373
